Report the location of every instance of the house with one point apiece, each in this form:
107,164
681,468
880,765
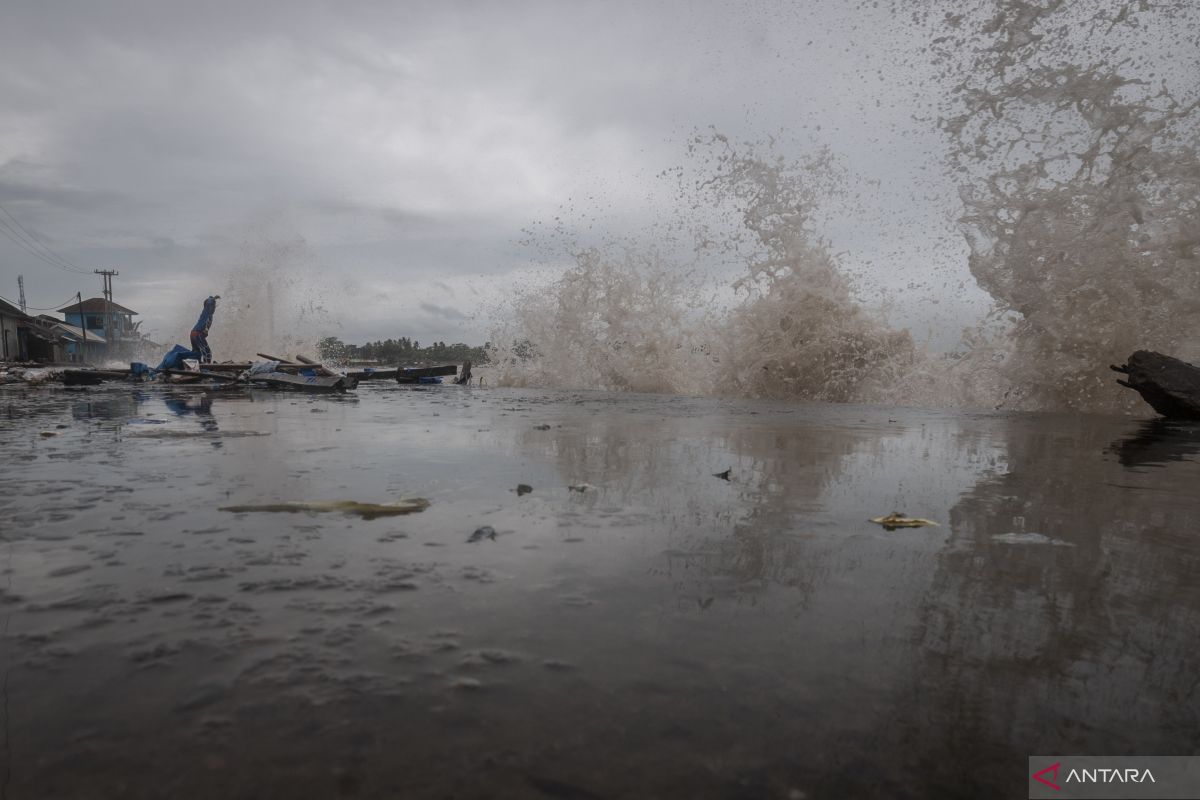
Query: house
75,340
105,320
44,343
12,341
26,338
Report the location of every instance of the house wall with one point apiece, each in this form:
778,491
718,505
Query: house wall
9,350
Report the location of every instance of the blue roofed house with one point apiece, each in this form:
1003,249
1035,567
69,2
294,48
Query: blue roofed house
109,322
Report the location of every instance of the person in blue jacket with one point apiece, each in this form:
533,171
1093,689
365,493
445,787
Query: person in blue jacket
200,330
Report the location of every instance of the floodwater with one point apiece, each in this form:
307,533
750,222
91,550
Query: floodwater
663,634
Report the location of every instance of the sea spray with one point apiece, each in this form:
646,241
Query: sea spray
1071,131
617,319
799,332
1074,136
270,300
630,318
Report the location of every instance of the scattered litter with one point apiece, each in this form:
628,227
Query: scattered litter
364,510
897,520
486,532
1029,538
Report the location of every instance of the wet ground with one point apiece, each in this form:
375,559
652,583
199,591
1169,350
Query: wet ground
662,633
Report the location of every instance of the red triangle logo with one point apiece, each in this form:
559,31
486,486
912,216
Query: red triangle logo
1038,776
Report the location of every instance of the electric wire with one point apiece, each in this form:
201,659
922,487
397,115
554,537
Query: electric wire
32,308
40,244
30,243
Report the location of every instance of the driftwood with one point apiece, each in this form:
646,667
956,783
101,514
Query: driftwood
1170,386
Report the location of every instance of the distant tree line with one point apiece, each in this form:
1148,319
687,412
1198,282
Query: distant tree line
402,351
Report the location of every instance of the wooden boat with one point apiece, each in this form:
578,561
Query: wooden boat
1170,386
417,374
373,374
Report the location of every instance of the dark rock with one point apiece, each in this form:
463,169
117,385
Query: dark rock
523,488
1170,386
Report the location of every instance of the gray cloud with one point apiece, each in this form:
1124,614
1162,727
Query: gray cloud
407,144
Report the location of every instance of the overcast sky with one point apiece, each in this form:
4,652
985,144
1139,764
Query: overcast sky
386,156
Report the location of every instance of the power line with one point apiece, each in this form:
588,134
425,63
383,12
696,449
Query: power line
30,242
51,308
37,240
9,232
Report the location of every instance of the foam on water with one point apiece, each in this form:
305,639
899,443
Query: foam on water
1071,131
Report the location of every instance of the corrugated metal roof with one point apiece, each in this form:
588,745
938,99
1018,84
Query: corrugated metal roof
70,330
77,333
9,310
95,305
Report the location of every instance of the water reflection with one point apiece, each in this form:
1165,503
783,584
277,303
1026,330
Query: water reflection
1023,647
1157,442
716,638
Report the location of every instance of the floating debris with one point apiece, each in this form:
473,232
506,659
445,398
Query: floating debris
364,510
896,520
486,532
1029,538
722,475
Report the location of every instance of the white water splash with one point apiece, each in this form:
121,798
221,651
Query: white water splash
1079,182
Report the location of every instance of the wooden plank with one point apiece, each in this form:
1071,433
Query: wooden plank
316,383
324,370
276,358
231,367
216,376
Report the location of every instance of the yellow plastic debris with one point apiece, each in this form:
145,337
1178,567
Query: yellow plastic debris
897,520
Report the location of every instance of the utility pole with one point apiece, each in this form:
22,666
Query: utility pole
83,325
106,275
21,286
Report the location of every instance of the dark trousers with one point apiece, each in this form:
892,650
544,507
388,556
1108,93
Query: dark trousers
200,347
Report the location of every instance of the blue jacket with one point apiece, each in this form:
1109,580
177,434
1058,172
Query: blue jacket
206,316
